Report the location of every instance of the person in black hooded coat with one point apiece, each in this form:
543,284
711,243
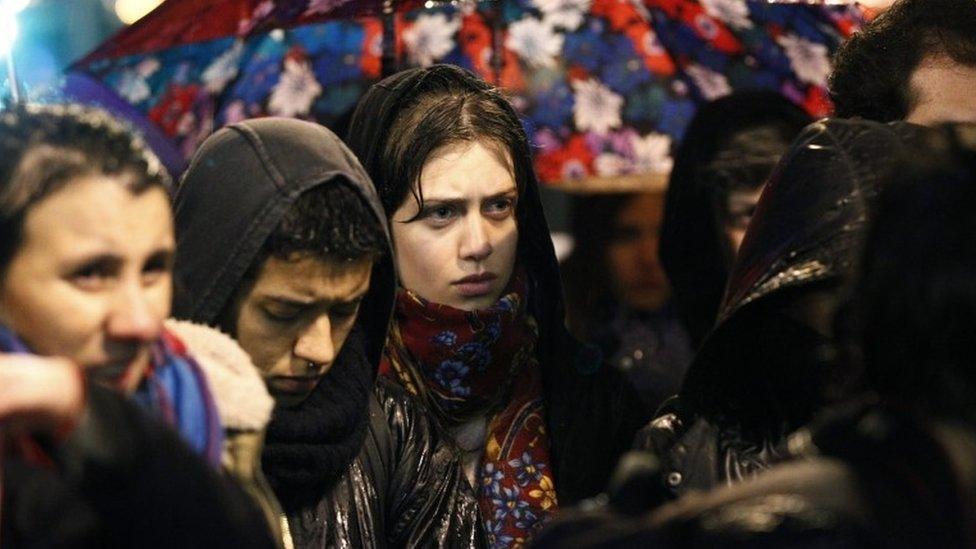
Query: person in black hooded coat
354,461
768,366
892,466
728,151
580,415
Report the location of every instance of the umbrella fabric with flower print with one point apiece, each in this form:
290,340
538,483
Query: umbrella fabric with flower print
605,87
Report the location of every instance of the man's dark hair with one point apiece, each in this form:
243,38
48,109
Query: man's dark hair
872,71
328,221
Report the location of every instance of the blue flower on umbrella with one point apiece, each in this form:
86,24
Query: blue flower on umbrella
675,115
587,47
527,470
491,478
509,502
446,338
450,374
553,106
625,70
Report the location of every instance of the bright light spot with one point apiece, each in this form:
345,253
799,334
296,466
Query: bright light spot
130,11
8,32
12,6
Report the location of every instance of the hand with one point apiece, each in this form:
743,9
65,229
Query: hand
39,393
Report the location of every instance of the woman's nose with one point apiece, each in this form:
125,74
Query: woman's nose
475,242
132,316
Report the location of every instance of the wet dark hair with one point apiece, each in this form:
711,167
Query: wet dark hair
447,105
913,310
44,147
873,69
328,221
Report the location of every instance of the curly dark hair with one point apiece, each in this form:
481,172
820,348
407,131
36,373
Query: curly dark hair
329,221
872,71
44,147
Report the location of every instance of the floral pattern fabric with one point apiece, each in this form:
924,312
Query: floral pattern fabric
605,88
467,364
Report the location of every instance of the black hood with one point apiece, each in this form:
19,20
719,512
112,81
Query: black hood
699,278
239,185
375,114
807,230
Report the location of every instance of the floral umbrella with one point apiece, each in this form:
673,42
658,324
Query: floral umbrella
605,87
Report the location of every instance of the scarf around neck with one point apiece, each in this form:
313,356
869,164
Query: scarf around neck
173,389
466,364
310,446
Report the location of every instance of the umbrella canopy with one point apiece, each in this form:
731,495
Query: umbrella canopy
605,87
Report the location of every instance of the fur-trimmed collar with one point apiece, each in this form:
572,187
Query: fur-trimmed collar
242,399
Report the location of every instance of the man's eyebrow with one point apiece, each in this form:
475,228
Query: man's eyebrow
306,302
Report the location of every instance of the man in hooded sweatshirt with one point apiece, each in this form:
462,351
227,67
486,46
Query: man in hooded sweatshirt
282,242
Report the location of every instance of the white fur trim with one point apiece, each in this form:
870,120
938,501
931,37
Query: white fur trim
242,399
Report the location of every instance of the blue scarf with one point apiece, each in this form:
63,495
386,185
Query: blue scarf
174,390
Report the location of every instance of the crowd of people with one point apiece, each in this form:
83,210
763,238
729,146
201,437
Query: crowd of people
312,340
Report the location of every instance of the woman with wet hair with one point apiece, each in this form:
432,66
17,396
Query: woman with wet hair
479,329
86,249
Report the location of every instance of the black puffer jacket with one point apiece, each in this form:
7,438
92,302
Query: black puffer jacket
592,410
764,371
358,464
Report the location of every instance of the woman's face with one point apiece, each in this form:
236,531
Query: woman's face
92,279
632,254
460,250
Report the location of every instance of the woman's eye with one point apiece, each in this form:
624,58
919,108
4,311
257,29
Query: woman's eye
157,267
439,215
92,277
500,207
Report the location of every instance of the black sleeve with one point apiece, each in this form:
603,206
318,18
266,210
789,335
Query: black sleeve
432,503
147,488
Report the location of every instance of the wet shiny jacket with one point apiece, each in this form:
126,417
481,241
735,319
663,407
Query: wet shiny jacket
404,488
760,373
863,476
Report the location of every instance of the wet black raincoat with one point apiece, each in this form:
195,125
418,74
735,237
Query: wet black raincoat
358,464
763,372
592,410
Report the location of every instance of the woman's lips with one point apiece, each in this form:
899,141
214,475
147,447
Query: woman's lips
475,285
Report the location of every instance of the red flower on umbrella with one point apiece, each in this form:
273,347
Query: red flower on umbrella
178,100
475,40
371,60
574,157
695,17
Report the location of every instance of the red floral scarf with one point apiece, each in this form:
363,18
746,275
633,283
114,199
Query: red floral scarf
470,363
